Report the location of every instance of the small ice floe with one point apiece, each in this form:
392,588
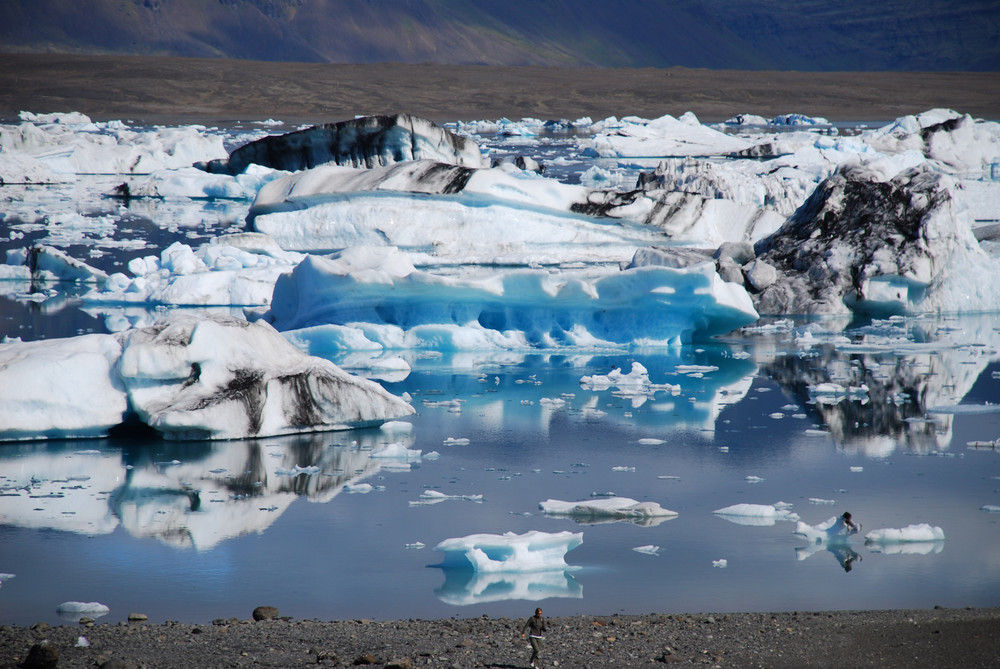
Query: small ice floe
832,530
5,577
297,470
361,488
416,545
921,532
776,415
623,468
604,494
752,479
73,611
429,497
647,550
609,509
756,514
724,449
857,469
819,500
456,441
721,564
668,477
983,445
509,552
552,402
634,384
650,441
988,508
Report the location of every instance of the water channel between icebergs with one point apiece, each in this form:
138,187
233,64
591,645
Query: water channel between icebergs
317,527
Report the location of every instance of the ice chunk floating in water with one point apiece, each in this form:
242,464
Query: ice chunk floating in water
611,508
509,552
832,530
911,533
755,514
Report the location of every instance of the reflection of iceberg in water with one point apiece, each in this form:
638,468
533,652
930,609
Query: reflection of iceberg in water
845,555
907,365
463,587
909,548
191,494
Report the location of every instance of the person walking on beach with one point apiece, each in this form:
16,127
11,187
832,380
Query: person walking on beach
535,628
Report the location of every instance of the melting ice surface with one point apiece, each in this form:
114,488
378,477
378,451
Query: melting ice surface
517,380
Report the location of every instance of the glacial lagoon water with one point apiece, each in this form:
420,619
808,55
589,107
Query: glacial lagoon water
315,526
203,530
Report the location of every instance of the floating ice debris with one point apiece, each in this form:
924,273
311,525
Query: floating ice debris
724,449
668,477
833,530
509,552
297,470
635,383
965,409
451,405
818,500
983,445
650,441
73,611
811,432
756,514
396,451
617,508
721,564
456,441
5,577
647,550
417,545
915,533
752,479
552,402
358,488
857,469
603,494
695,369
429,497
622,468
989,508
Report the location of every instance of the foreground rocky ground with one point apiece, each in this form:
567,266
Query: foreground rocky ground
915,638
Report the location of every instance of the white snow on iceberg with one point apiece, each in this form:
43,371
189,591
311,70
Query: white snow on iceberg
509,552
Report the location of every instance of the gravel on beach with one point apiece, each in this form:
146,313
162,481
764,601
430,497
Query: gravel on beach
936,637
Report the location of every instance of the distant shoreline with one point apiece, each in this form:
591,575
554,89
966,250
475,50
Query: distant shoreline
213,91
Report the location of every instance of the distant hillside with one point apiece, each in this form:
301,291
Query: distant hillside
808,35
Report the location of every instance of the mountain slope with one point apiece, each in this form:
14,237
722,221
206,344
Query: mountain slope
752,34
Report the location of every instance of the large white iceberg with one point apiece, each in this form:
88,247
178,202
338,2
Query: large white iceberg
509,552
187,377
377,294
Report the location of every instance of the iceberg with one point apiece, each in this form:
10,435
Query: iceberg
831,531
922,532
376,293
188,377
74,611
366,141
756,514
608,509
509,552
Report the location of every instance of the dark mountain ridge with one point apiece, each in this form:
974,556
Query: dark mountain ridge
807,35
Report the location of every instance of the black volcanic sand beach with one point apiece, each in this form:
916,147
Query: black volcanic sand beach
170,90
926,638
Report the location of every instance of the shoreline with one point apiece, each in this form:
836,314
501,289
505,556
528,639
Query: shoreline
200,90
891,638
